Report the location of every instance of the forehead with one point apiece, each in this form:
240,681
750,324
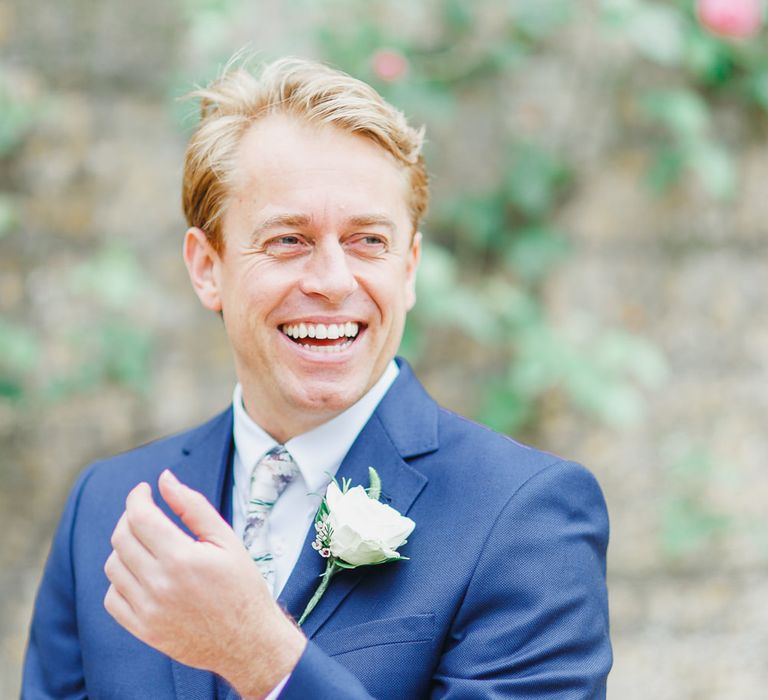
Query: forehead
283,162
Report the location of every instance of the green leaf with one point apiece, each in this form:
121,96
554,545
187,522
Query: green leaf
689,525
539,19
10,388
457,15
344,565
322,511
504,409
389,559
125,354
758,88
657,31
535,250
666,168
374,490
9,215
709,58
16,117
19,349
683,112
114,276
533,179
714,168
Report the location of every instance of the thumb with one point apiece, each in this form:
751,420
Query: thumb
195,511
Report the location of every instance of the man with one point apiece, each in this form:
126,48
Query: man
304,191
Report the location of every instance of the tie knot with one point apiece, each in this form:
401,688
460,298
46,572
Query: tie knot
275,468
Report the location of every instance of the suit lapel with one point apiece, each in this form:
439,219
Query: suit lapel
205,459
404,425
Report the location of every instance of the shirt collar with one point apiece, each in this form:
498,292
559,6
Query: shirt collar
319,452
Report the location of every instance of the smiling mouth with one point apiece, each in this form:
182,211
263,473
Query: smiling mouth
323,337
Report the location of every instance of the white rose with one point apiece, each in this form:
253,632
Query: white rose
364,531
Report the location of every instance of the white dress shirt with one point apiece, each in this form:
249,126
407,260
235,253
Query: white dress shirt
318,455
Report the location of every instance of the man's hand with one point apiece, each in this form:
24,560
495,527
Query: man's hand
201,601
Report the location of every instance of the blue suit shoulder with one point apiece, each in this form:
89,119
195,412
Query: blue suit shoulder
499,468
468,462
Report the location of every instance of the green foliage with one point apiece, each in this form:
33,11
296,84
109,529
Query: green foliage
656,30
17,115
601,371
689,523
490,251
701,71
9,216
19,351
113,277
689,146
117,349
108,347
533,180
374,490
492,247
109,352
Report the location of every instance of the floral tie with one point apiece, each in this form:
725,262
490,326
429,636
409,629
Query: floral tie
273,472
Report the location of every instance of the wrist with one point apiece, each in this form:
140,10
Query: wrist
270,661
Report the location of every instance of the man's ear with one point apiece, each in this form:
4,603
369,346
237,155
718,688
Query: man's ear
412,264
202,265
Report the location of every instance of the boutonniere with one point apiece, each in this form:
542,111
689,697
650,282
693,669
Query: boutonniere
355,529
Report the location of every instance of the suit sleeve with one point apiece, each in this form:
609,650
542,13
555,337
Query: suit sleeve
53,663
534,620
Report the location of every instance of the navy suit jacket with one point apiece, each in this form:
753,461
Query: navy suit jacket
503,595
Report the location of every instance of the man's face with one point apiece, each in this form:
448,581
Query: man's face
317,273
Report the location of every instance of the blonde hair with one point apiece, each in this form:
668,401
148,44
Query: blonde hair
300,88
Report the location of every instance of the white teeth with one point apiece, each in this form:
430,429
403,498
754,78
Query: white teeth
331,331
327,348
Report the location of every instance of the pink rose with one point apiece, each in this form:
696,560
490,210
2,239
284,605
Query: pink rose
731,18
389,65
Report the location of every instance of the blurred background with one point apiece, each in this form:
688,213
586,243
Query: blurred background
593,281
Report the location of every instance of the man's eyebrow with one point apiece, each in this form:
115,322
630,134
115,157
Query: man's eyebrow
295,221
371,220
283,221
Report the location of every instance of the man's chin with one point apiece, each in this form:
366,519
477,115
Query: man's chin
328,401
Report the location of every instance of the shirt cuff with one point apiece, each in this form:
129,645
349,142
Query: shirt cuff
275,693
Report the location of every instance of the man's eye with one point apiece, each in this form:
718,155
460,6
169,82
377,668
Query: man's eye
369,242
289,243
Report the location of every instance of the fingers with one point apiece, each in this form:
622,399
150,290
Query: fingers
132,552
120,609
195,511
121,576
149,525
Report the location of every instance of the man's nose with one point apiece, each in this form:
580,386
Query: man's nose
327,273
